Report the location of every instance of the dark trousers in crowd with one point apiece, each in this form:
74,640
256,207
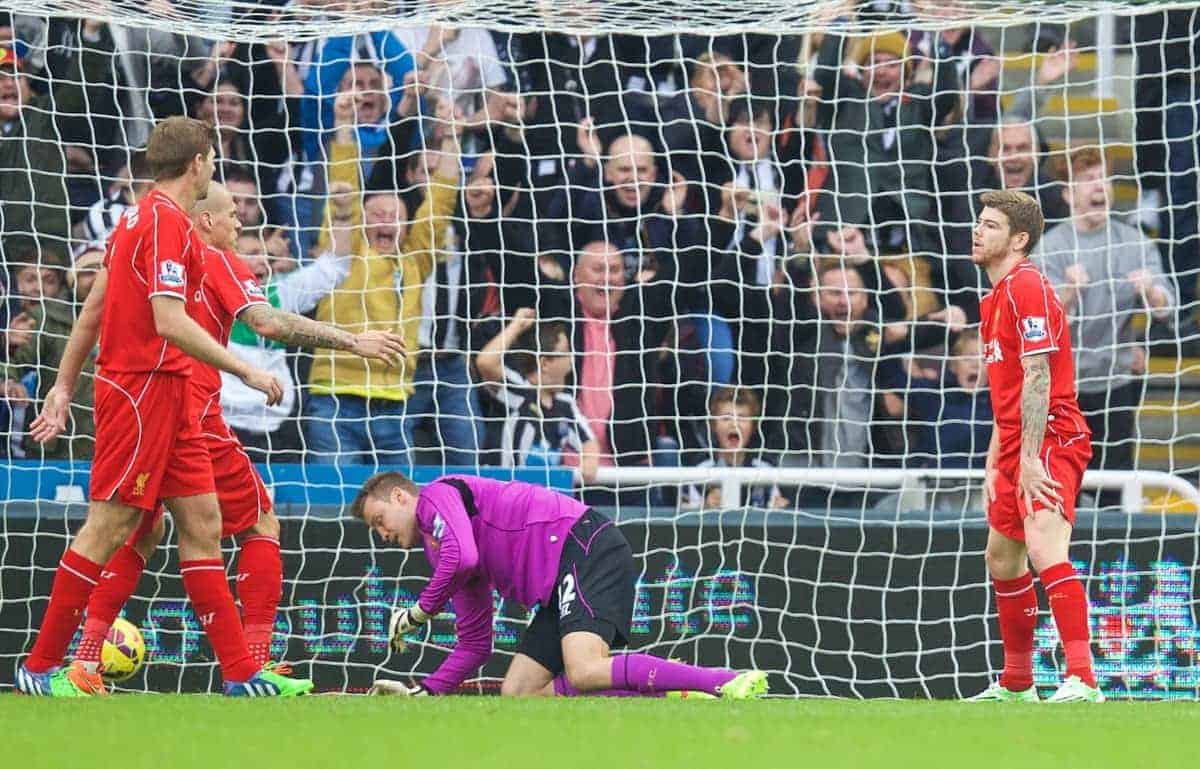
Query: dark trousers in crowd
1112,417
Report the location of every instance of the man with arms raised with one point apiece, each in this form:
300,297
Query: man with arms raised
149,447
1039,449
534,546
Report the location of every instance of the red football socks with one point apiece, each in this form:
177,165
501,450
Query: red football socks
73,584
118,581
1069,605
204,581
1016,602
259,587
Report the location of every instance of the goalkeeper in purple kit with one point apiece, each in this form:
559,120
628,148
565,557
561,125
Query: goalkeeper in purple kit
535,546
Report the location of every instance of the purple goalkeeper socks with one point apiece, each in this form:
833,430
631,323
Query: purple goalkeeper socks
649,675
563,688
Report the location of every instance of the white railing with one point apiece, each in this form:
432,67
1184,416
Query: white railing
1130,482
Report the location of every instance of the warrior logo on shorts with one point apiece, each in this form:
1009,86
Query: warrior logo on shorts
139,484
170,273
566,594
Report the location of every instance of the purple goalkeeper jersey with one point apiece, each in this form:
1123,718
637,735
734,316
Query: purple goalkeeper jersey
480,535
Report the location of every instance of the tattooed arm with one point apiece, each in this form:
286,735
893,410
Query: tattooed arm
1035,404
292,329
1036,485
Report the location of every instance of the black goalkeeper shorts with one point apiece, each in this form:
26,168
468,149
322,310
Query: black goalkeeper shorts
594,594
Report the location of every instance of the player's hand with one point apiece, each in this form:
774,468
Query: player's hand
52,420
257,379
1036,486
989,486
382,345
384,688
405,621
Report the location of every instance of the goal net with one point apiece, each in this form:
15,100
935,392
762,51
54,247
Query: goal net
706,265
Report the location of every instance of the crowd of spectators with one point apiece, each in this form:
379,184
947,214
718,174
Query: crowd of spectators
602,250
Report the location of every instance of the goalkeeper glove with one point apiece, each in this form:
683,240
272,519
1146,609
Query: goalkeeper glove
383,688
405,621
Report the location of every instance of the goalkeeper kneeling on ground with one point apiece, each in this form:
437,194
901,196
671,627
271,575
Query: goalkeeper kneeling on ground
535,546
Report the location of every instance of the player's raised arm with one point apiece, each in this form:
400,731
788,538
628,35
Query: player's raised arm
52,419
292,329
172,323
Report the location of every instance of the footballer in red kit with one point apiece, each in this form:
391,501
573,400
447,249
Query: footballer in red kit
229,292
1022,316
149,447
1039,451
148,443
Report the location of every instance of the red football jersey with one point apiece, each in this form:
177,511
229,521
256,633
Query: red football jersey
153,252
1023,316
227,288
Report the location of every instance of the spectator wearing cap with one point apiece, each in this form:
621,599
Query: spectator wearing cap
33,207
41,332
879,109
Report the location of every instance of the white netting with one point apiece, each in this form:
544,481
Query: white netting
751,222
318,18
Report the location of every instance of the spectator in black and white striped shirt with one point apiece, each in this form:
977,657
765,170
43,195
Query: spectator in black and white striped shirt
544,425
131,183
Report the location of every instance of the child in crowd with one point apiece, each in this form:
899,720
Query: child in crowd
733,425
544,425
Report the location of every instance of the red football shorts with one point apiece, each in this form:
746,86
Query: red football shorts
240,490
1065,464
148,441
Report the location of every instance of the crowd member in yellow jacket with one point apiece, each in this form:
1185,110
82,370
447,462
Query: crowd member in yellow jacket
355,409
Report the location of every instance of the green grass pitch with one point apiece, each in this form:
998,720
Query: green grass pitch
181,732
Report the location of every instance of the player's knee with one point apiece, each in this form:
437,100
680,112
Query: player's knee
590,675
150,539
1043,555
200,529
108,526
513,687
267,526
1003,565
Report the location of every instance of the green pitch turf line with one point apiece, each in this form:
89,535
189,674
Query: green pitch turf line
186,732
